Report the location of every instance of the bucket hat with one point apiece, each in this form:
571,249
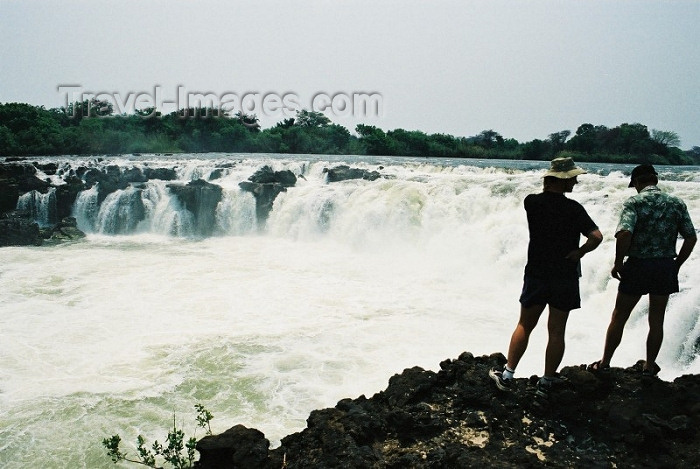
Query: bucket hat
564,168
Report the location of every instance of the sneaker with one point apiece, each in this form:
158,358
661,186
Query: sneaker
544,389
502,383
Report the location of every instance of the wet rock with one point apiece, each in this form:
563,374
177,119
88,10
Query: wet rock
237,447
265,185
64,231
66,195
164,174
343,173
18,229
265,195
200,198
17,179
266,175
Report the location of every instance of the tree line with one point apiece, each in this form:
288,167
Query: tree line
91,127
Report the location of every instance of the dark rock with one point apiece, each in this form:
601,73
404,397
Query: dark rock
266,175
66,195
18,229
265,185
164,174
65,230
107,181
17,179
265,195
216,174
201,198
343,173
132,175
48,168
457,418
237,447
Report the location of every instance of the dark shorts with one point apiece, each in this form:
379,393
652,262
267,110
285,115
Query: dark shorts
560,293
649,276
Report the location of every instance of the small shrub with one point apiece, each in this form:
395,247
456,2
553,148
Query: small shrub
171,453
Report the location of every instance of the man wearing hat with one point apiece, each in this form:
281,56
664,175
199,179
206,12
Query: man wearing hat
556,224
646,234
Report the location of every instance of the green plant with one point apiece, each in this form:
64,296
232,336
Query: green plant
171,453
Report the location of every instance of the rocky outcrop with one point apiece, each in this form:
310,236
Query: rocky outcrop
164,174
265,185
64,231
343,173
19,229
457,418
201,198
17,179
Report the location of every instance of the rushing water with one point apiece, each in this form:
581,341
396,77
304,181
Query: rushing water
346,284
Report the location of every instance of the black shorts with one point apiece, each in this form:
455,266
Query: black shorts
649,276
557,292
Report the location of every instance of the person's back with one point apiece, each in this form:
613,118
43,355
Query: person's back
655,219
556,224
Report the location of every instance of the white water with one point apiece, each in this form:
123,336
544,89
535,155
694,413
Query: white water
42,207
350,283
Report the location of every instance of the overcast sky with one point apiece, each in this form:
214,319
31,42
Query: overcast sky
523,68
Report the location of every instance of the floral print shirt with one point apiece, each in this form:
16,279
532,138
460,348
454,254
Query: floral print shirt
655,219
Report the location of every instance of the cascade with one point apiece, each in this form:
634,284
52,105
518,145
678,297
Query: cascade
41,207
120,212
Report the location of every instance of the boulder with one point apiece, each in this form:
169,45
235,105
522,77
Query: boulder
64,231
15,180
265,185
201,198
266,175
164,174
344,172
237,447
18,229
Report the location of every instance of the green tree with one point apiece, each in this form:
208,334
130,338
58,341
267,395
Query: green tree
488,139
667,138
306,118
557,140
373,140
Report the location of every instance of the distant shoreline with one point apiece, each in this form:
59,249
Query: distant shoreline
92,129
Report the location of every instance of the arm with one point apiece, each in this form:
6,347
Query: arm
594,238
686,249
622,246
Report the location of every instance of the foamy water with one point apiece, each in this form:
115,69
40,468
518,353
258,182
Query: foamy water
349,283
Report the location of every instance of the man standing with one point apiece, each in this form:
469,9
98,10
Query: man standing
556,224
649,227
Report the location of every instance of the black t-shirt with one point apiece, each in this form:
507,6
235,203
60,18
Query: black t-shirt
556,224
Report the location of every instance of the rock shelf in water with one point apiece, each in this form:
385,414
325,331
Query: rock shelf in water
456,418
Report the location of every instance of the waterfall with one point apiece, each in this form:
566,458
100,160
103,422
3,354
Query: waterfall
120,212
164,213
345,284
41,207
235,214
86,208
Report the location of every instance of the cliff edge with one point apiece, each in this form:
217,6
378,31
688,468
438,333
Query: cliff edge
457,418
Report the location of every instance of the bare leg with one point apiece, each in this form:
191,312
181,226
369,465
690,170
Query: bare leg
521,335
556,327
624,304
657,311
